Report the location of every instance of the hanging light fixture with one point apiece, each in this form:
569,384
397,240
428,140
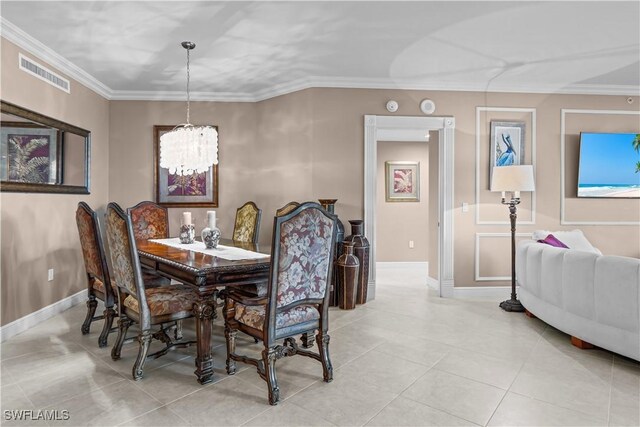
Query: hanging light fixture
189,149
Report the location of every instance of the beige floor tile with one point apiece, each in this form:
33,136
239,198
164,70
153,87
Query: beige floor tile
461,397
13,404
158,417
516,410
495,343
625,395
498,372
406,412
78,374
346,401
230,402
287,414
384,371
413,349
107,406
572,388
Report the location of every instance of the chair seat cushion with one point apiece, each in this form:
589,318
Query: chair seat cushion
98,285
165,300
253,315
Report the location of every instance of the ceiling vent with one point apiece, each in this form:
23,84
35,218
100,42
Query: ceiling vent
28,65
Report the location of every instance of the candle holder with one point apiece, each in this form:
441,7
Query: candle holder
211,234
187,233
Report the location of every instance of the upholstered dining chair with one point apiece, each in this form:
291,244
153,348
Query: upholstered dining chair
247,224
287,208
98,279
150,221
297,299
138,303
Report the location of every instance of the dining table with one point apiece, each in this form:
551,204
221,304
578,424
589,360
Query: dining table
207,271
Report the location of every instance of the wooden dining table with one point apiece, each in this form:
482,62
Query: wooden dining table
207,274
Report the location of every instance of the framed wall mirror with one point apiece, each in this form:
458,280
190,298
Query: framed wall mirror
39,154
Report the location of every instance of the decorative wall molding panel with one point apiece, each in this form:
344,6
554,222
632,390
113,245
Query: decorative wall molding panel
480,278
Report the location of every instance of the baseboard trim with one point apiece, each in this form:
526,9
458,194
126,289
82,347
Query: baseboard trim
30,320
433,283
482,291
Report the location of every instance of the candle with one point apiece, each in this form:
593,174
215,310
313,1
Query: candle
186,218
516,195
503,195
211,219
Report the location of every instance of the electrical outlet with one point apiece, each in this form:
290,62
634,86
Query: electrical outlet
50,275
465,207
410,244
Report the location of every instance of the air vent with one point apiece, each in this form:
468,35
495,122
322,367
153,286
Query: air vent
43,73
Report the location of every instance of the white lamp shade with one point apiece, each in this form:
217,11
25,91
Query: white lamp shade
512,178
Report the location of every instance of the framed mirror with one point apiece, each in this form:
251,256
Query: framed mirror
39,154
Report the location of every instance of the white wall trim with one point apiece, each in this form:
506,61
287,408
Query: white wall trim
23,40
497,292
404,265
480,278
563,114
373,127
30,320
532,111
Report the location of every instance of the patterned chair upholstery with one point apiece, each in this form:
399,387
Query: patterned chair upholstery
98,279
287,208
247,224
150,221
297,300
137,302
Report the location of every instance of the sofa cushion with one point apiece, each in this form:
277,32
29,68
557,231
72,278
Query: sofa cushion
574,239
553,241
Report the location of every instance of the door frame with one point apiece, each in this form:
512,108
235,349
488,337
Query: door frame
409,128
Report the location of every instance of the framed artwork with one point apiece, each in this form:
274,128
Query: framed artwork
507,145
31,153
402,181
195,190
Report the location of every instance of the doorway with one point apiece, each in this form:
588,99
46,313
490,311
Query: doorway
405,128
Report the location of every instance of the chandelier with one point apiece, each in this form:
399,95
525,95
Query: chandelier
189,149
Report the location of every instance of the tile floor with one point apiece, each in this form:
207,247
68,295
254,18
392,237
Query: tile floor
406,358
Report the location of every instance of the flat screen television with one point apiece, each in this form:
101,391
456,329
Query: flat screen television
609,165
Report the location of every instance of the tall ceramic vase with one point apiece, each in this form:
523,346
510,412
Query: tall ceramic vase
347,268
329,206
361,251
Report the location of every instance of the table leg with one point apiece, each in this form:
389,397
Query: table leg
205,313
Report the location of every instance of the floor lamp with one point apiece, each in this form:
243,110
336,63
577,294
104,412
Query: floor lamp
513,179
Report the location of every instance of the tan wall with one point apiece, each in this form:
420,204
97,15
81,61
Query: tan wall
399,222
39,230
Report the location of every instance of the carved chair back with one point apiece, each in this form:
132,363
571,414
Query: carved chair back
93,253
125,263
287,208
150,221
301,267
247,224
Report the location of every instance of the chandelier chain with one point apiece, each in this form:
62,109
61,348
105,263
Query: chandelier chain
188,95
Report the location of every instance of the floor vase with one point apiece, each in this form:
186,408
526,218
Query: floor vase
347,268
361,251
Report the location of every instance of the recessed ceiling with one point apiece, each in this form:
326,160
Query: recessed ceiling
255,50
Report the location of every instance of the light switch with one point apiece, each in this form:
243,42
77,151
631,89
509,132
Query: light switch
465,207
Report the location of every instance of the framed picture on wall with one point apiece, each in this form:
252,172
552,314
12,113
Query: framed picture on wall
507,145
173,190
31,153
402,181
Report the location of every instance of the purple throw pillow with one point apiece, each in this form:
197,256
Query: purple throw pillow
553,241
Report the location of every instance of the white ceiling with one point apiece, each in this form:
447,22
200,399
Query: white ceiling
255,50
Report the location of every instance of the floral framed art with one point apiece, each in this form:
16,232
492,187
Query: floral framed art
174,190
402,181
32,152
507,145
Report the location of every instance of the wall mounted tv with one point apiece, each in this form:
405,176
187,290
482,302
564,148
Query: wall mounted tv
609,165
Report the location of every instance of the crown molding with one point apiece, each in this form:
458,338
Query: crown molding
23,40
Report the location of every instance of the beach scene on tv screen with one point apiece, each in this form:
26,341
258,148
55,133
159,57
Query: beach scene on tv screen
609,165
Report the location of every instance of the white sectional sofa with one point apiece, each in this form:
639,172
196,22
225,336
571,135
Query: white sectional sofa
593,297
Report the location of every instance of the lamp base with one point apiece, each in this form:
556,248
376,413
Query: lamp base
512,305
